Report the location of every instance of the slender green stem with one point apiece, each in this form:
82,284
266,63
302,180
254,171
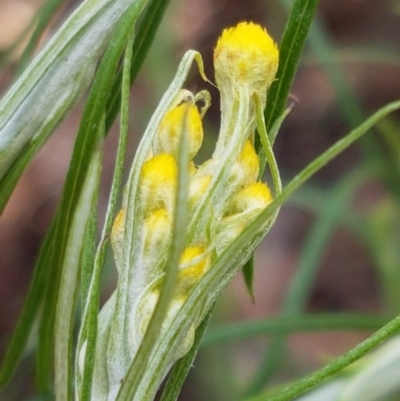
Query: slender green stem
33,302
284,325
66,297
290,50
90,319
307,383
267,145
145,35
307,172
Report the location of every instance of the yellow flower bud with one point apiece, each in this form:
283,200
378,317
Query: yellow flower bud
157,231
254,196
246,56
158,180
194,263
247,167
172,125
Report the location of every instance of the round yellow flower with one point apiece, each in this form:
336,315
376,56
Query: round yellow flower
246,55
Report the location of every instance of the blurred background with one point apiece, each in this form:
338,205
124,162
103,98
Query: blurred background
335,246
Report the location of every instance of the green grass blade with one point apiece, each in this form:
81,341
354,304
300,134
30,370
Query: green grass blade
53,83
310,381
33,302
318,239
181,369
312,253
144,38
68,288
88,255
90,318
248,276
290,50
284,325
87,140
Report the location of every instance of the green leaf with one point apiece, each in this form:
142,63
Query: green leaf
284,325
88,254
34,300
144,38
312,252
68,288
290,50
248,275
88,331
310,381
53,83
91,131
181,369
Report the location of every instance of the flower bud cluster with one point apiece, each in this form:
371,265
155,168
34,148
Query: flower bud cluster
224,192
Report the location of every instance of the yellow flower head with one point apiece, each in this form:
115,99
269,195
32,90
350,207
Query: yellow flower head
194,263
158,180
248,165
254,196
246,55
172,125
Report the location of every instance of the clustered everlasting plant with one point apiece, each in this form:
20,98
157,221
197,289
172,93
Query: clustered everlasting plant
214,202
184,230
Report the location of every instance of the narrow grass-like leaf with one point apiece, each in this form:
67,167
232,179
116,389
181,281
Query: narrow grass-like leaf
216,279
267,146
90,317
53,83
132,380
89,254
266,155
146,33
33,302
290,50
66,297
272,134
310,381
248,276
284,325
305,274
318,240
86,143
181,368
